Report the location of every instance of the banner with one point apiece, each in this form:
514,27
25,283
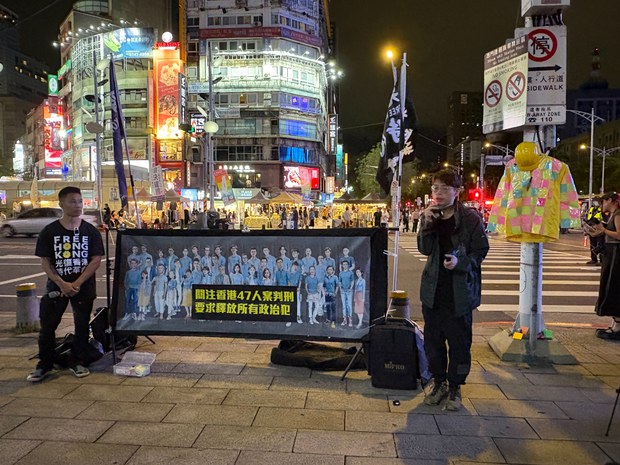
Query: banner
393,134
158,188
167,105
127,43
223,185
118,133
304,284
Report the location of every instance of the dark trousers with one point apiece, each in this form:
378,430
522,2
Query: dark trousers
454,361
50,315
415,226
330,307
597,244
131,302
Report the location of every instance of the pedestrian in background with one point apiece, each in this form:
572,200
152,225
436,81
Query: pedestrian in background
608,303
454,239
594,217
70,251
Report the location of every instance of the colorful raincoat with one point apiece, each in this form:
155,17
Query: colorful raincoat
532,206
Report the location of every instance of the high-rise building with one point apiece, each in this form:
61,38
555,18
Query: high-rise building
270,87
92,33
23,85
464,131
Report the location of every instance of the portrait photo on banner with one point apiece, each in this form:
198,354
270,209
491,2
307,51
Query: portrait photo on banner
306,284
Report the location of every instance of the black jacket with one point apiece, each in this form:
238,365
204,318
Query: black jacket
470,240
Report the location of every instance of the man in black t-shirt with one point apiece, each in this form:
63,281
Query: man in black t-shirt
70,251
453,238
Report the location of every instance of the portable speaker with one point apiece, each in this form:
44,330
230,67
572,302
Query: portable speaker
393,356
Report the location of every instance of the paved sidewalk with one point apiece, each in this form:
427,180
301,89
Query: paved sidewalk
220,401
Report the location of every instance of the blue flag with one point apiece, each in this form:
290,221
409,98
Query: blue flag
118,133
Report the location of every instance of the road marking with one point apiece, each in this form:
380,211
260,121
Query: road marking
8,296
21,278
508,292
545,282
546,308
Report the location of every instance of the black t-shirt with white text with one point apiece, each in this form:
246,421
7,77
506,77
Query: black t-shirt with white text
70,252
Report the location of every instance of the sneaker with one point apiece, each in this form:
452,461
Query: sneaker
454,399
439,391
79,371
38,375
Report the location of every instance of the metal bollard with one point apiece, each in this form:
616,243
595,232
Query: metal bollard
27,306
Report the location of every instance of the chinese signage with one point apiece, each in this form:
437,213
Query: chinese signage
277,31
170,151
52,139
240,303
182,99
546,77
505,86
255,283
132,42
157,181
332,134
329,185
167,69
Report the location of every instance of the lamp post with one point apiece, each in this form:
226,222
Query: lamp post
603,153
591,118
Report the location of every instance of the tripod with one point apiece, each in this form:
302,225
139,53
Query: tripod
613,411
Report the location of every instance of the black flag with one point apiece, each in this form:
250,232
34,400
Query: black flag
394,132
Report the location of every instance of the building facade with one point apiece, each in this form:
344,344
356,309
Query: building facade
23,85
464,131
270,91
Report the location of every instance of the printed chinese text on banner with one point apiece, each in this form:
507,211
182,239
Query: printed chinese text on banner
392,134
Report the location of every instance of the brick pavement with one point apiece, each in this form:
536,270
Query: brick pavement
220,401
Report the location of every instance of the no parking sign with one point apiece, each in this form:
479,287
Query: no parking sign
505,86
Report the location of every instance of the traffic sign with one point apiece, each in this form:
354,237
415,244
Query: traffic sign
505,86
546,76
493,93
515,86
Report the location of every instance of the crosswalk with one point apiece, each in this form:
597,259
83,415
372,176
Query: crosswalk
569,286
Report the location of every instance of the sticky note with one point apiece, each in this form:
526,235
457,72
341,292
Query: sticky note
548,334
517,336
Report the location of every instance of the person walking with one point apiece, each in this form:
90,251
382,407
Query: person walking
70,250
454,240
415,216
608,300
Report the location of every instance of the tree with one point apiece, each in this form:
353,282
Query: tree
365,172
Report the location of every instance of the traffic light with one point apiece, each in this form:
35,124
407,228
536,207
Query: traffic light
475,195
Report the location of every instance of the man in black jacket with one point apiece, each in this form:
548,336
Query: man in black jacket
454,239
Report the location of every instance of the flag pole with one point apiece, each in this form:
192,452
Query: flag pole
396,200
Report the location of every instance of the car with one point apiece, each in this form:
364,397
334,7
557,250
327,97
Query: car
32,221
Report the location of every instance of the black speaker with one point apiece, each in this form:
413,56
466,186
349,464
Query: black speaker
393,355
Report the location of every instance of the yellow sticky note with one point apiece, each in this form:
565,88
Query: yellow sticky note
517,336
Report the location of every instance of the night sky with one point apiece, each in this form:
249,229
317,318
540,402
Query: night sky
445,41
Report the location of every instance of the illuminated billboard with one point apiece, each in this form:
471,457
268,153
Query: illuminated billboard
167,68
133,42
52,136
295,177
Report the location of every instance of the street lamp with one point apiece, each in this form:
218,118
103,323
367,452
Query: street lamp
504,150
603,153
592,118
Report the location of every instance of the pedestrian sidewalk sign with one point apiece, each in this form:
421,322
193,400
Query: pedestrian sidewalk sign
546,77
